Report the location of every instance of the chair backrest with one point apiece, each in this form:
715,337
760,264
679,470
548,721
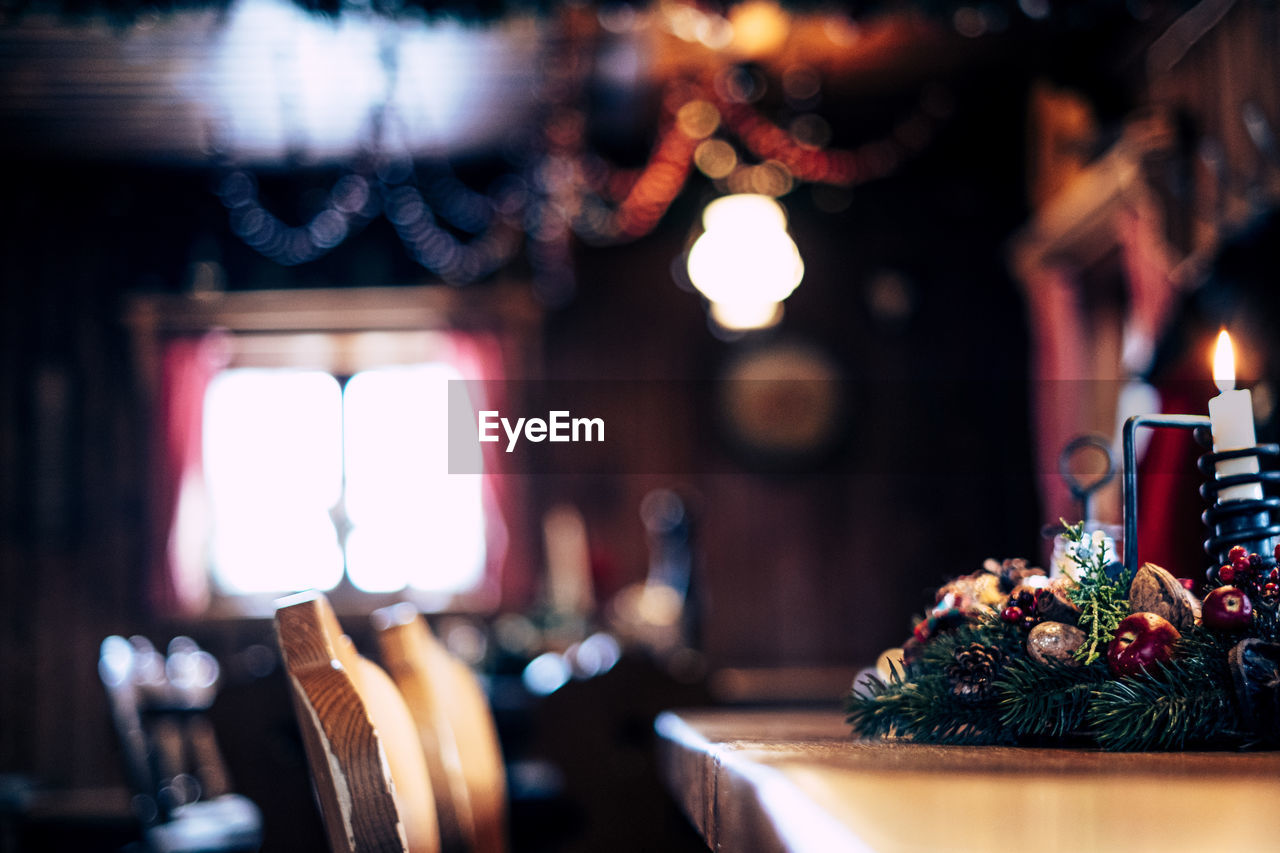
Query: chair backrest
362,744
455,725
182,792
158,703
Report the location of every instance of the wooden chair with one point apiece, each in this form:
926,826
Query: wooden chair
362,744
181,790
456,727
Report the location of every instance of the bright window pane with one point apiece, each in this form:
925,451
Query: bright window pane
414,524
273,468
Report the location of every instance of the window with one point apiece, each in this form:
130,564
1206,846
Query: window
273,471
302,443
308,477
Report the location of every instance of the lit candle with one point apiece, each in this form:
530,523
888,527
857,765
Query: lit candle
1231,420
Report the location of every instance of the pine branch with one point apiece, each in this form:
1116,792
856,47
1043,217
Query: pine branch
923,710
1202,649
923,706
1099,617
989,631
1046,700
1168,707
1266,622
935,714
879,711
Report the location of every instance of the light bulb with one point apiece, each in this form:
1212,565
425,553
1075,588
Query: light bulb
745,263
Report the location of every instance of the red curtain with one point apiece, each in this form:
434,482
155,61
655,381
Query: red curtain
509,577
179,579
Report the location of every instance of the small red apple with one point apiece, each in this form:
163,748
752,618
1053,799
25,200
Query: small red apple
1141,640
1227,608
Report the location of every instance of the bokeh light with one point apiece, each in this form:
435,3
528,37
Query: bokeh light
745,263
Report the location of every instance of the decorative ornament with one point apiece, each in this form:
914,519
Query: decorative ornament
1172,679
1228,608
1156,591
973,671
1012,572
1054,604
982,680
1055,643
1142,639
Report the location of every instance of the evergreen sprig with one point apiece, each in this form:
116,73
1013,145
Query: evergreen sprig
878,708
988,631
942,717
1101,597
1266,621
1206,651
923,705
925,709
1047,700
1168,707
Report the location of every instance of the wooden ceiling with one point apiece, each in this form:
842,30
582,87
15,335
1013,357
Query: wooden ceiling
263,82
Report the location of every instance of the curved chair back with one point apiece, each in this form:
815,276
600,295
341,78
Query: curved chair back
362,744
456,727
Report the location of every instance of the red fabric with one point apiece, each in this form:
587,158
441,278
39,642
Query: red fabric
508,575
1059,370
1170,533
179,580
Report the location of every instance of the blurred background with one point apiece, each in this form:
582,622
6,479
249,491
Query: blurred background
254,252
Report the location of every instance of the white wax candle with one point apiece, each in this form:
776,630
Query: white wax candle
569,586
1231,420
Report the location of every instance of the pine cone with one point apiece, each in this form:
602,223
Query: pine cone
973,671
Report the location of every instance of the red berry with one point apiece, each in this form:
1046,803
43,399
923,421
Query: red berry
1013,613
1276,553
1269,589
1255,562
1227,574
1274,574
1236,554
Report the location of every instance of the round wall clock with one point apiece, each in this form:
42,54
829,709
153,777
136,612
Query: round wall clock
782,405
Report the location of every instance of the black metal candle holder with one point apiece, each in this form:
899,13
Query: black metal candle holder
1246,522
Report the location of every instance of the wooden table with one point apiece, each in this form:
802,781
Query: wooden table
776,780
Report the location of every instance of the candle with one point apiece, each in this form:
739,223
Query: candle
1231,420
569,587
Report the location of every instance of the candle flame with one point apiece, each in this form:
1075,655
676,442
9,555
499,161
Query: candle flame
1224,363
